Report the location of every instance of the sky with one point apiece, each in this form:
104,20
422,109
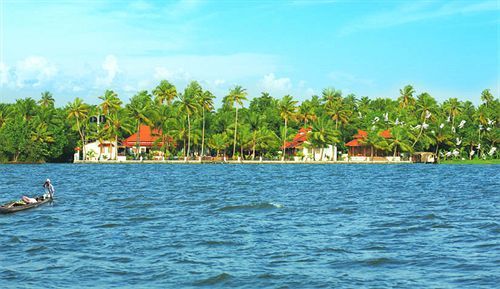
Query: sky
369,48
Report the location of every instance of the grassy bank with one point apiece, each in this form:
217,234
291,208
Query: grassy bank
472,162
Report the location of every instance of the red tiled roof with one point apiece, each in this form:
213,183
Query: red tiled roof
361,135
386,134
147,137
299,138
353,143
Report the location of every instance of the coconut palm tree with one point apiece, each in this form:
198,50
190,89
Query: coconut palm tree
188,106
219,142
425,104
487,97
165,92
454,107
406,98
110,102
399,140
140,111
236,97
47,100
78,111
288,110
307,112
331,94
117,123
322,134
206,102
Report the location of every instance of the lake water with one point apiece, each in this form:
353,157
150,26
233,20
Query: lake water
253,226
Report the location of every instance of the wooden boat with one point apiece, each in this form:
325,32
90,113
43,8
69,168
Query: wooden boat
13,207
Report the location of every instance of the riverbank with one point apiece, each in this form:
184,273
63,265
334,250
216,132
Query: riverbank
238,162
471,162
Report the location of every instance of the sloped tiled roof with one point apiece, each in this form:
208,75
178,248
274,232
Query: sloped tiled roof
146,138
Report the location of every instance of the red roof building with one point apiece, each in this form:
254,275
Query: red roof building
146,137
298,139
359,147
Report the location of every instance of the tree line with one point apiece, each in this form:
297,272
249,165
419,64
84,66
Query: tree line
190,126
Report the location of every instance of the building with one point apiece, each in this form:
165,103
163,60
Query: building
146,140
360,150
424,157
301,149
96,151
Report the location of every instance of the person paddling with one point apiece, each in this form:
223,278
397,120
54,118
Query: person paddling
49,189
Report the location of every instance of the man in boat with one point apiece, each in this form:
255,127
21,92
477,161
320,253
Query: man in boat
49,193
49,189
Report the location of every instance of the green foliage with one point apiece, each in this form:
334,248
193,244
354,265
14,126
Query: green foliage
189,125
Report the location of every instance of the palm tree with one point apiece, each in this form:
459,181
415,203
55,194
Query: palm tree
406,98
218,142
110,102
425,104
287,108
399,140
164,92
307,112
47,100
26,108
487,97
78,111
188,106
206,103
117,123
330,94
322,134
139,110
236,97
454,108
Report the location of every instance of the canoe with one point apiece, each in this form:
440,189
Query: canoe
11,207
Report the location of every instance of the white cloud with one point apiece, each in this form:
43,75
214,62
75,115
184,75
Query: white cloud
110,66
310,92
274,85
218,82
34,70
163,73
4,74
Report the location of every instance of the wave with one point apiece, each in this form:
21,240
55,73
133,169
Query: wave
214,280
254,206
218,243
378,261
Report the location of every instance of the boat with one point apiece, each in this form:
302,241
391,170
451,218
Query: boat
13,207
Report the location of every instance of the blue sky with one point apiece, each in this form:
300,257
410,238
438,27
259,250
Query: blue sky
369,48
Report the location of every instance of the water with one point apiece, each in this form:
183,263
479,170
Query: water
253,226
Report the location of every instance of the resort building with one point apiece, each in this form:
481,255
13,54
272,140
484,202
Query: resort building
360,150
96,151
146,140
301,149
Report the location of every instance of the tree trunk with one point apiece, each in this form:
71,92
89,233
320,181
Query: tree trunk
395,150
203,134
253,148
418,136
116,148
235,131
437,150
189,136
82,137
137,145
321,153
284,142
